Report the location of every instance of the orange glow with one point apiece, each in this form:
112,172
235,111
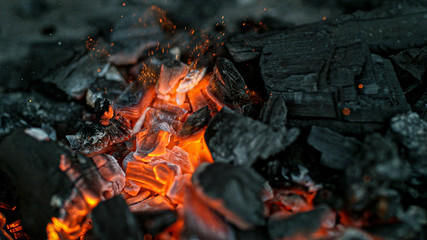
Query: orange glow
346,111
360,86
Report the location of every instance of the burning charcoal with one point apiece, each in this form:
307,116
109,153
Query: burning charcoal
110,171
35,166
157,120
232,137
176,191
134,100
155,222
170,73
195,122
200,220
103,88
110,128
191,80
181,158
113,220
151,144
170,109
227,85
274,112
76,78
131,188
299,224
158,178
220,182
141,196
152,204
338,152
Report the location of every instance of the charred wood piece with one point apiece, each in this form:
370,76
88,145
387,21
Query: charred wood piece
235,182
195,122
233,138
109,128
228,86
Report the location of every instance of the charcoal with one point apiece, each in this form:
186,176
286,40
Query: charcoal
236,139
75,78
135,34
412,132
234,182
191,80
200,221
274,112
411,226
36,176
354,234
170,74
113,220
155,222
195,122
260,233
421,106
8,123
370,179
338,151
247,47
139,196
156,203
103,88
299,224
109,128
227,85
34,109
410,67
110,170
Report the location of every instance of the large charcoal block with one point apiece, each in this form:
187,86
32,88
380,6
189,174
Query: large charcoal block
337,150
296,61
113,220
238,189
32,166
233,138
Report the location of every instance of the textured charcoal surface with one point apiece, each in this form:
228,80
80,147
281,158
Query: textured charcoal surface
35,173
233,138
97,136
195,122
338,151
228,86
239,189
113,220
300,223
274,112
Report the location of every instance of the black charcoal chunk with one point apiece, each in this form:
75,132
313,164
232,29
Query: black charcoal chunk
338,151
370,179
274,112
410,67
247,47
113,220
135,34
103,88
228,86
155,222
32,166
74,79
238,188
195,122
299,224
233,138
412,132
109,128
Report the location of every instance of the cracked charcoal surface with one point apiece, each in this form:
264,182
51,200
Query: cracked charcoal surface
240,140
